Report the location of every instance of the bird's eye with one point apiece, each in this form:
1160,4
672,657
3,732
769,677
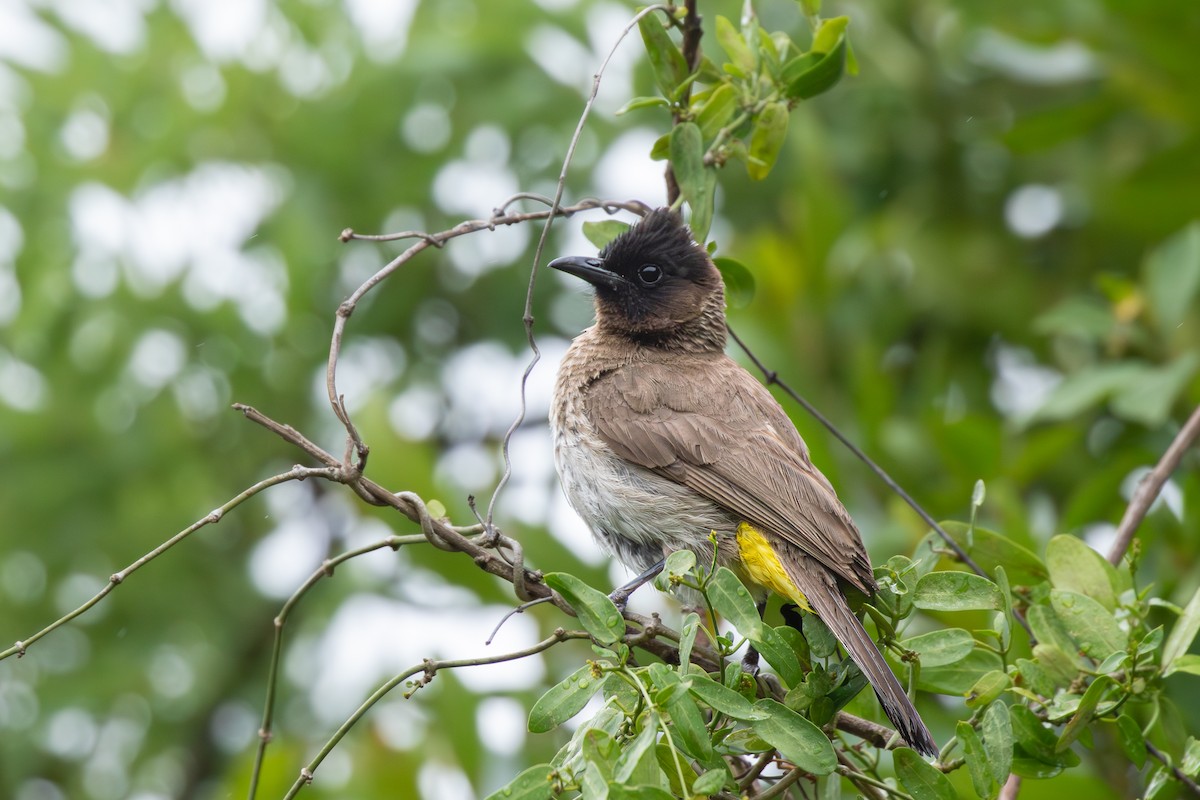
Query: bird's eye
650,274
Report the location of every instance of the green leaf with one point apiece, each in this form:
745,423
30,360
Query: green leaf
717,110
687,638
938,648
996,731
688,724
959,677
923,780
630,762
989,549
1084,713
702,206
601,233
666,60
531,784
732,600
1190,763
1172,277
766,140
1035,677
618,791
564,700
1037,741
1086,388
710,782
1004,616
797,740
601,749
642,102
1182,634
1051,632
1084,317
1090,625
735,47
739,282
821,641
816,75
1148,400
1132,740
831,33
955,591
1078,568
1062,668
989,686
696,183
977,761
596,612
677,566
1188,663
724,700
779,654
661,149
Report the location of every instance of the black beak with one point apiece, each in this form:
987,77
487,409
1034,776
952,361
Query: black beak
590,269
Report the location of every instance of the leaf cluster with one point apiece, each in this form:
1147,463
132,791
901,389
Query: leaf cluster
742,111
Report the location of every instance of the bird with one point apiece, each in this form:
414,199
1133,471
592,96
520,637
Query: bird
661,440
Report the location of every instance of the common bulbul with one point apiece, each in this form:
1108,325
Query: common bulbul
661,439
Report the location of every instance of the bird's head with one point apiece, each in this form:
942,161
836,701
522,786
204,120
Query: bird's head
656,285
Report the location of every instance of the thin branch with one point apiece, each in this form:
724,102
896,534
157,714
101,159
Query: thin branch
773,379
324,571
1177,773
424,241
428,669
527,317
690,47
117,578
782,785
1149,487
870,787
1011,788
873,733
763,761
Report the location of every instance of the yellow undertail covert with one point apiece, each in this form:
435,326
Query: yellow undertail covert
762,566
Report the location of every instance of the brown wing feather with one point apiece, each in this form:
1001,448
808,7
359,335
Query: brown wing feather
712,427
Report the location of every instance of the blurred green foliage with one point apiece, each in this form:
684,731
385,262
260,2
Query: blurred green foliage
979,256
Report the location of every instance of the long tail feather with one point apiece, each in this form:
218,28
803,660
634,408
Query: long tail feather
827,601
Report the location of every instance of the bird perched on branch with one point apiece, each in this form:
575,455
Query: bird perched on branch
661,439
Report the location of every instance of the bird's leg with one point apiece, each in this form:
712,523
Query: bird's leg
750,660
620,595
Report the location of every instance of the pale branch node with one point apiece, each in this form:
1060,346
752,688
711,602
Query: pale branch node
1151,485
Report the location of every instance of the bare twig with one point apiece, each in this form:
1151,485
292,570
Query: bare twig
1148,488
869,787
1176,773
527,317
428,669
424,241
324,571
871,732
117,578
782,785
